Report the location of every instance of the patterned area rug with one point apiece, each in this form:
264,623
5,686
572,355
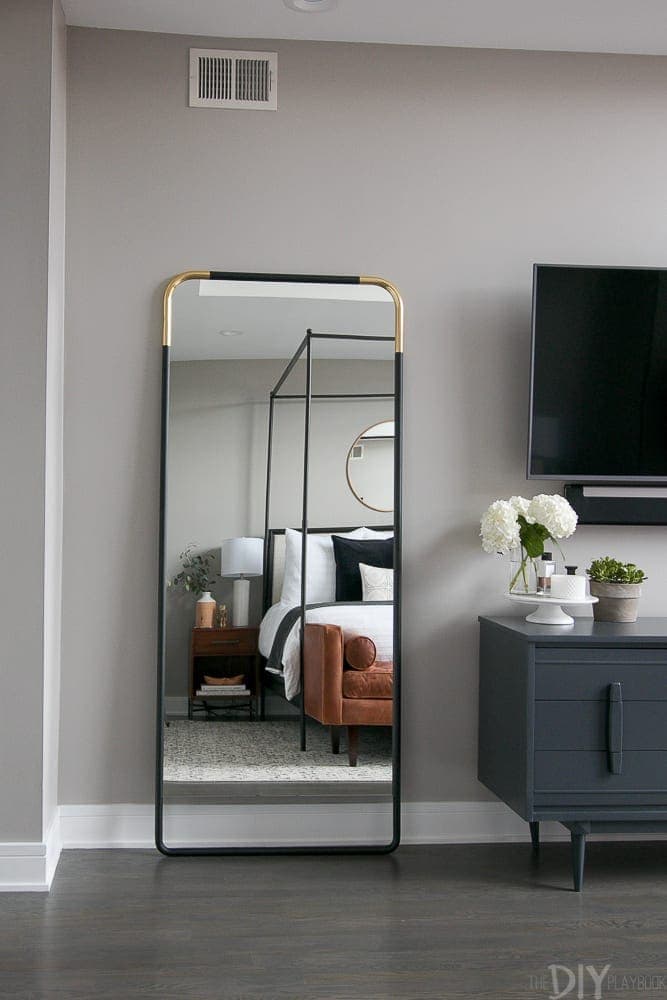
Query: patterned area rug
232,750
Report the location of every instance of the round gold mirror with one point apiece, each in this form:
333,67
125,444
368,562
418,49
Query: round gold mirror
370,467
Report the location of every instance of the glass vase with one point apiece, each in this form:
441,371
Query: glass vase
523,576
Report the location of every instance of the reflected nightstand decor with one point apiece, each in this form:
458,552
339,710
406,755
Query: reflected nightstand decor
241,558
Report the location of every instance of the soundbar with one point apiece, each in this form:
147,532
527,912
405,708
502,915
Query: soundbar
618,504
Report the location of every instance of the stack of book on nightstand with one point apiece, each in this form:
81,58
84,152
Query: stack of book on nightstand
222,690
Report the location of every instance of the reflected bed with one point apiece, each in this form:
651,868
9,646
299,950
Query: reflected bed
280,633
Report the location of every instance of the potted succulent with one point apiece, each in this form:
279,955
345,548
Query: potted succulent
196,578
617,586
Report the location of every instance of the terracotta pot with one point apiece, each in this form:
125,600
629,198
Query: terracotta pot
618,602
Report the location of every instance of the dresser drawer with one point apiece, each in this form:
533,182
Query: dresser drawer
575,674
573,773
224,642
583,725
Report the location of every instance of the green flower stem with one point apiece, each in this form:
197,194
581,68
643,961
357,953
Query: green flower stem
533,536
521,572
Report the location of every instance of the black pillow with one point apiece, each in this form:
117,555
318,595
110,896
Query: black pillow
348,553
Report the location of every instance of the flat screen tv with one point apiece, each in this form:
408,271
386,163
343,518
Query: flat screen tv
598,398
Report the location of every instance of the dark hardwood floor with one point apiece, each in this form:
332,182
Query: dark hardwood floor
426,922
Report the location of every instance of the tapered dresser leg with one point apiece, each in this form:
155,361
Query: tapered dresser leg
578,855
535,835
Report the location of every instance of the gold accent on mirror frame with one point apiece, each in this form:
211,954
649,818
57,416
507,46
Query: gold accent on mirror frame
364,279
177,280
364,503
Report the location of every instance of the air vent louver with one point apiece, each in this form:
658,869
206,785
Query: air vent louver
229,79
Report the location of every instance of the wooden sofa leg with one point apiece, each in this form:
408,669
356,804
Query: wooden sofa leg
335,739
353,744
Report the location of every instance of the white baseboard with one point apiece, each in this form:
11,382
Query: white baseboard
468,823
54,846
279,825
101,826
105,826
98,826
29,866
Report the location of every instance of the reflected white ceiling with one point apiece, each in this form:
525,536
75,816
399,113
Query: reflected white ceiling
631,26
273,327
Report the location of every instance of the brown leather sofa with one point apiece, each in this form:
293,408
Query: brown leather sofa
336,695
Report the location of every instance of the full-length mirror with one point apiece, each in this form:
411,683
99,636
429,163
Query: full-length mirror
279,666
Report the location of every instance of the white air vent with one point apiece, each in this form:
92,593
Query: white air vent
222,78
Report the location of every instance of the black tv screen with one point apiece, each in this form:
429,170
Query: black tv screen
599,374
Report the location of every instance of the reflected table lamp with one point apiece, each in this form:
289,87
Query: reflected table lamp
241,558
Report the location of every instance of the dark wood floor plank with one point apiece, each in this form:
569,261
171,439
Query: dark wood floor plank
424,923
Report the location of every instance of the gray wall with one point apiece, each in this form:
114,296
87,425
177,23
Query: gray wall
218,434
449,172
31,224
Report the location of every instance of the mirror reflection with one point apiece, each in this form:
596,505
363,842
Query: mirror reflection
279,662
370,467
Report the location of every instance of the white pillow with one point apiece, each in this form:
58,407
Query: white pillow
377,584
369,533
320,567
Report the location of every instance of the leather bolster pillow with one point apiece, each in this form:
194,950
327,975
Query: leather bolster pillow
360,652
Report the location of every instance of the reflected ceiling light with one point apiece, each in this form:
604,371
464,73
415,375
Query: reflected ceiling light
230,333
310,5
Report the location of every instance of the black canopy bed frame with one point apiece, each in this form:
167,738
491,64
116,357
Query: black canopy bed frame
271,680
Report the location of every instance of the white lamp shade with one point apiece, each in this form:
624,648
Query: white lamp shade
242,557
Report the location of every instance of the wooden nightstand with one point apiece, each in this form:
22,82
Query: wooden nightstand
223,652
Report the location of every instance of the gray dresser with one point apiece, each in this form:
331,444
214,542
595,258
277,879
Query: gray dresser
573,724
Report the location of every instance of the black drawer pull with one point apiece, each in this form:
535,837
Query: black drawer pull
615,728
225,642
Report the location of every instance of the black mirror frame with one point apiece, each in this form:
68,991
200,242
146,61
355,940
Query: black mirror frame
162,583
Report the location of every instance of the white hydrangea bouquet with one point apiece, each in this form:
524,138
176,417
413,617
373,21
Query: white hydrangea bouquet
524,525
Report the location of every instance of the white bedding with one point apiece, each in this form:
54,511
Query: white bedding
374,620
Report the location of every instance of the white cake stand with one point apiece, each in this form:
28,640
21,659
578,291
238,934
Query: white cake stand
549,610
